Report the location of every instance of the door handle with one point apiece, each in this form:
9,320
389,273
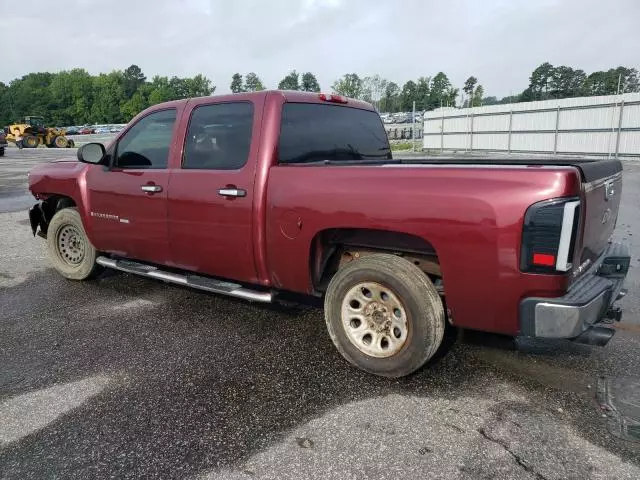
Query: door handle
151,188
232,192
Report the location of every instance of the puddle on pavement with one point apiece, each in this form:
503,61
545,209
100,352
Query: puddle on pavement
619,399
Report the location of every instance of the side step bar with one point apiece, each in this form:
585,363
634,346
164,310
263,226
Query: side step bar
189,280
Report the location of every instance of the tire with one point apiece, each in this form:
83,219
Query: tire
30,141
73,260
59,141
2,152
412,308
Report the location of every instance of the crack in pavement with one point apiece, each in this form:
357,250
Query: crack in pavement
515,456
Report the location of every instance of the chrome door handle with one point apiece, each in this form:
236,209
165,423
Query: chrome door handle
232,192
151,188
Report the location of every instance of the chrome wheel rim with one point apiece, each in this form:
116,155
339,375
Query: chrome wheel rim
374,319
71,245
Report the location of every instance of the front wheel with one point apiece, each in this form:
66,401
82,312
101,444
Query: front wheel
384,315
59,142
70,251
30,141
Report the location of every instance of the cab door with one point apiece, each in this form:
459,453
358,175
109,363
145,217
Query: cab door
210,202
128,200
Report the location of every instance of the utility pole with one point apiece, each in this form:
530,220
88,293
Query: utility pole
619,80
413,132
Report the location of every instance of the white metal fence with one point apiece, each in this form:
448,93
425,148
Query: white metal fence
601,126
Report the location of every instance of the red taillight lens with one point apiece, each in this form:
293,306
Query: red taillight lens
332,98
549,236
544,259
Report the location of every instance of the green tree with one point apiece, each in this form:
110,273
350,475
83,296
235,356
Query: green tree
469,88
107,97
422,93
350,85
373,89
133,106
237,85
290,82
31,95
160,90
310,83
540,81
132,79
391,100
440,91
478,95
198,86
625,78
408,95
253,83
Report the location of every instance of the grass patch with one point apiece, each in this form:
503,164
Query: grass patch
403,146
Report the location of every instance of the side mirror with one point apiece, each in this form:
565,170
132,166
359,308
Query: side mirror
91,153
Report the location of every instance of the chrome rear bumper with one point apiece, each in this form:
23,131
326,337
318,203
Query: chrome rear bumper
588,303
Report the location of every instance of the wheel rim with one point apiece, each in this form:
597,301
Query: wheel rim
60,142
71,245
374,319
31,141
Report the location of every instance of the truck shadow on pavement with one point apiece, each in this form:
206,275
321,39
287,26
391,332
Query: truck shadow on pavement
190,383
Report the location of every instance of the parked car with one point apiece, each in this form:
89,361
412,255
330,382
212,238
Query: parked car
86,130
72,130
255,195
104,129
401,118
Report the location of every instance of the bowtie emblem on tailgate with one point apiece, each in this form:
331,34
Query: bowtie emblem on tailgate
609,189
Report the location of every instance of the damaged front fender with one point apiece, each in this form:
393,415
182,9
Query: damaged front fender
36,218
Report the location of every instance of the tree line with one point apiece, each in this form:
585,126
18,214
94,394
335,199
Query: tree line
75,97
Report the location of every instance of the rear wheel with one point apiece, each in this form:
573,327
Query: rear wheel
2,152
384,315
30,141
70,251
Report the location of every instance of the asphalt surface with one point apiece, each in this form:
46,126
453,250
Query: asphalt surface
125,377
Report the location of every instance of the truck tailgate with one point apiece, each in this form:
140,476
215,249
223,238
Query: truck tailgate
602,188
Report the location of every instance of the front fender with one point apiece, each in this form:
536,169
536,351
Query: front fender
53,183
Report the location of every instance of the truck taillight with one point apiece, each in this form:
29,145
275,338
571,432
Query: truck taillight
549,236
325,97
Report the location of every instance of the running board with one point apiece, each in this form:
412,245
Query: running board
189,280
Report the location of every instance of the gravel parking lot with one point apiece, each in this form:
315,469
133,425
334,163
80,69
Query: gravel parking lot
125,377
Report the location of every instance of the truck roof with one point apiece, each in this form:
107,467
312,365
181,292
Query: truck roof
289,96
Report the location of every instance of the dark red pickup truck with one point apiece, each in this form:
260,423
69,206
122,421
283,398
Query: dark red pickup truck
259,194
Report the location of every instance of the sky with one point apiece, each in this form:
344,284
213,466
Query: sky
498,41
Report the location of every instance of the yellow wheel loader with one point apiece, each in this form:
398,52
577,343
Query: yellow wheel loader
32,132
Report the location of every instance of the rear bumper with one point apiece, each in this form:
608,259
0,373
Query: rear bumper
587,304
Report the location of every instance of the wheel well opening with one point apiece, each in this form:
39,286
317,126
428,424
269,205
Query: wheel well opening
331,249
50,206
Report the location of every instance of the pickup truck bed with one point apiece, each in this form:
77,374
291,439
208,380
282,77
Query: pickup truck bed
257,194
